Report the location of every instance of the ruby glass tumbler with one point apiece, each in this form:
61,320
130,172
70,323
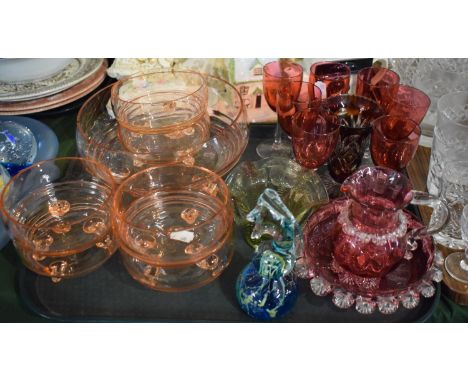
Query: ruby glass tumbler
355,115
314,138
331,77
394,141
377,83
408,102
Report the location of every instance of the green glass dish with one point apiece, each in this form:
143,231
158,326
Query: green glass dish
301,190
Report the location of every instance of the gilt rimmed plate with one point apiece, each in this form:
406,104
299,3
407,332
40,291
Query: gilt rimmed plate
78,70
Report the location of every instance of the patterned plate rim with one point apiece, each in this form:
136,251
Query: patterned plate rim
92,82
52,85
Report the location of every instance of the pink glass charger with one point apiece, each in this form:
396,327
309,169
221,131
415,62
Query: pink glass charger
404,285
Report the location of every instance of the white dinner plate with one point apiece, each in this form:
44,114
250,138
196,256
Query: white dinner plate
31,69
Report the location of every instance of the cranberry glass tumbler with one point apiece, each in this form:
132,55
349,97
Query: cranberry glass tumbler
394,141
314,138
331,77
377,83
407,102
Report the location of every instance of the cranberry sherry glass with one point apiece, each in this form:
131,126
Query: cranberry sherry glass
314,137
289,102
394,141
377,83
331,77
278,73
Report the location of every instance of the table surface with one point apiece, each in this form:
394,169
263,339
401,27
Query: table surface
13,310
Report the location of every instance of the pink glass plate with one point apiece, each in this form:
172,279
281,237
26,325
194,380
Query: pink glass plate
404,284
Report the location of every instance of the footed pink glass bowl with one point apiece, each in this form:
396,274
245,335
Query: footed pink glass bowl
97,137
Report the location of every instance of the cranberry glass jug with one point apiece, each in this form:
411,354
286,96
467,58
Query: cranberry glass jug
372,231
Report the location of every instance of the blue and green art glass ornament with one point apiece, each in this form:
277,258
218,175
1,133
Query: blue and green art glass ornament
266,288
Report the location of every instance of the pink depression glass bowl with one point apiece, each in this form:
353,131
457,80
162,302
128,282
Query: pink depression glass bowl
59,216
97,134
174,226
162,112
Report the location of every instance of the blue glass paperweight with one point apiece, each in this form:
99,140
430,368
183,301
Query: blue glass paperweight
266,288
18,146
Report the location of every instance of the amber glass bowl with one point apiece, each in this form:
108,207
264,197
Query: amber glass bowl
97,134
59,216
174,226
162,112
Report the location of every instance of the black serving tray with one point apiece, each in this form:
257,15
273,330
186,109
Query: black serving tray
111,295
